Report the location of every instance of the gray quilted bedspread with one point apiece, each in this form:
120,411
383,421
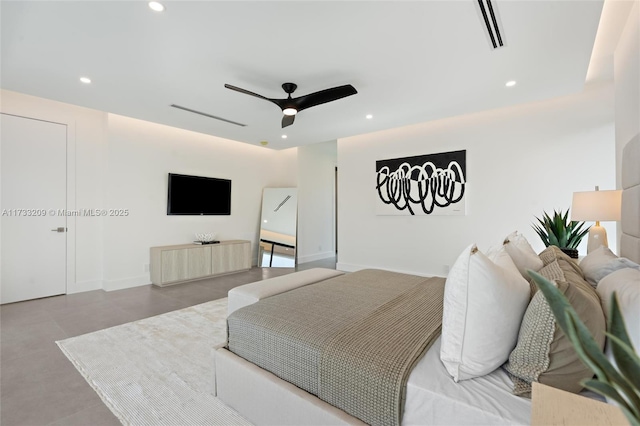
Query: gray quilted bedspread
351,340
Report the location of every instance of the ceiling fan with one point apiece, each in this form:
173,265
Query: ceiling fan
291,106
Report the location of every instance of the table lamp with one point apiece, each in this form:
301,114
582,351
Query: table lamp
596,206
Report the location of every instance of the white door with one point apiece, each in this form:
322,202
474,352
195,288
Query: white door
33,193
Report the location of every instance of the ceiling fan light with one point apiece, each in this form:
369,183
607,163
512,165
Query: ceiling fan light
156,6
289,111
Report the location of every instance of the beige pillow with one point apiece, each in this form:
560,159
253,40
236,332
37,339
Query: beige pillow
552,272
557,266
543,353
522,254
602,262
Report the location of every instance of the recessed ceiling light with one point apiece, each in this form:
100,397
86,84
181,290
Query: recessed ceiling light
85,80
510,83
154,5
369,116
284,136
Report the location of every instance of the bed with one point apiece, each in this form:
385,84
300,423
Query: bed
431,396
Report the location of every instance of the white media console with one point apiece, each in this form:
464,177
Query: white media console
188,262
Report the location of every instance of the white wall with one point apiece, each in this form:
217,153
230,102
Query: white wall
626,66
520,161
316,201
119,162
141,154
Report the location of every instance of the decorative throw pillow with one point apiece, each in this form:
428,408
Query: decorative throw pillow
522,254
483,307
557,266
626,284
544,353
601,262
500,257
552,272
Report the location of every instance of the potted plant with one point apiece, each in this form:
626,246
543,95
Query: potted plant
557,231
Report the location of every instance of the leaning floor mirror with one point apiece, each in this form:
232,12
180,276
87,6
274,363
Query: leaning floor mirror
278,227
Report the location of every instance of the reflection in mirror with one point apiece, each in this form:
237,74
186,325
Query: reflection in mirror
278,228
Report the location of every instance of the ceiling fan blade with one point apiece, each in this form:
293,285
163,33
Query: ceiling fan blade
287,120
246,92
324,96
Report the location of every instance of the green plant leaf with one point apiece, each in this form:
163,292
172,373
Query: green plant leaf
626,359
542,234
606,390
592,354
609,391
616,324
558,231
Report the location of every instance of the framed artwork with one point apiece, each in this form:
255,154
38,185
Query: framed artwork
431,184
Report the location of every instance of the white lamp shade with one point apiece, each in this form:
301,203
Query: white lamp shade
596,205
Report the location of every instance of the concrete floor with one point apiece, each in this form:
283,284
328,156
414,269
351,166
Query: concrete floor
39,386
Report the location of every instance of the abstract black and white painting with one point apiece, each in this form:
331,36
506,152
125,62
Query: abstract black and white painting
432,184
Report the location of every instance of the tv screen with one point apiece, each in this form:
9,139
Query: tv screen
196,195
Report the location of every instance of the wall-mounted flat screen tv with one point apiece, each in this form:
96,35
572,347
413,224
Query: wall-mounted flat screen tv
197,195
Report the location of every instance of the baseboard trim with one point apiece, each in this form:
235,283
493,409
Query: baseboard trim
81,287
126,283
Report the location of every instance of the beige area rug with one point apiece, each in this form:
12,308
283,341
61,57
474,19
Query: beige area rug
159,370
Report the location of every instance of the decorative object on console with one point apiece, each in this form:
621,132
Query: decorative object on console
432,184
597,206
556,231
620,381
206,238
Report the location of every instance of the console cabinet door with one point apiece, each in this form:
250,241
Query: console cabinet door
245,255
230,257
174,265
199,261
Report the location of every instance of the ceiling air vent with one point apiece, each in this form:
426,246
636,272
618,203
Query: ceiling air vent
207,115
491,20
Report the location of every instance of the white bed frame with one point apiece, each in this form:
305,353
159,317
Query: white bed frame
264,399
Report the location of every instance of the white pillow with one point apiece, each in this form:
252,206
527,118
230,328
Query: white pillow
500,257
483,306
601,262
626,283
522,254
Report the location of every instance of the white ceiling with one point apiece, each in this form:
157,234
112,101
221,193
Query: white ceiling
410,61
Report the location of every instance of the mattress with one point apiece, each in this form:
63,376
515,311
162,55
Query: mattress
433,398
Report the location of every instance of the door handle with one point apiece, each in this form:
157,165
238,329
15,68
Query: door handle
60,229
